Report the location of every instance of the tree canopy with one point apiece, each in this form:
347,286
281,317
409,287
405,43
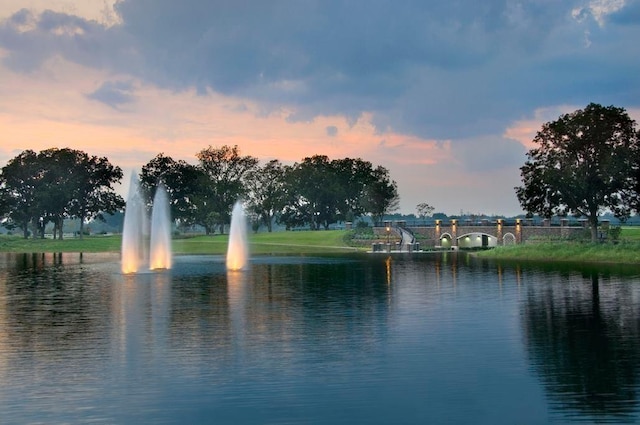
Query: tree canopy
226,173
321,192
55,184
266,192
585,162
181,180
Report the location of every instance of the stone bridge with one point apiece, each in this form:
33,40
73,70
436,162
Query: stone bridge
466,234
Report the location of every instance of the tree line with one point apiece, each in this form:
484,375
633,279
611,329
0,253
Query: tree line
316,192
56,184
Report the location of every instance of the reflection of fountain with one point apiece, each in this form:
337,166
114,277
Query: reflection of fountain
160,248
133,231
238,248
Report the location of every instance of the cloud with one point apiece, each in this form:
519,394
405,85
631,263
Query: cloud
462,70
629,15
322,57
332,130
599,10
114,93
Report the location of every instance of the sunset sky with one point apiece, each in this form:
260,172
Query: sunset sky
445,94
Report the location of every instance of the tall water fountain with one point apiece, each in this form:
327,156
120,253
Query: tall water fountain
134,252
238,248
160,245
138,252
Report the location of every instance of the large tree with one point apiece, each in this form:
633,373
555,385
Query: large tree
60,177
94,193
266,191
315,184
226,171
583,165
382,196
56,184
352,177
182,182
322,191
20,180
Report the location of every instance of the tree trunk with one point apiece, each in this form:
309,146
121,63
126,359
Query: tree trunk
81,227
60,225
35,229
593,224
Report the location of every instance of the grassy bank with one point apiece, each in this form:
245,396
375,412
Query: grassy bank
261,243
335,241
623,253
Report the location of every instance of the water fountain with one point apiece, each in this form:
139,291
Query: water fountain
160,245
238,248
137,250
133,232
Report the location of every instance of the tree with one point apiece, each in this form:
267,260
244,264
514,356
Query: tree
56,184
226,171
266,192
322,192
60,178
583,165
182,182
313,193
353,176
381,195
19,183
424,210
633,195
94,194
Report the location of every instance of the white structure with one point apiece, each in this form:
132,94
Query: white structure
477,240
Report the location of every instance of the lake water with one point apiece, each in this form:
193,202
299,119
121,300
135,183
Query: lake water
423,339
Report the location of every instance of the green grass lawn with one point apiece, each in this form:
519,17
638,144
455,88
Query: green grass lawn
260,243
333,241
623,253
630,233
626,251
87,244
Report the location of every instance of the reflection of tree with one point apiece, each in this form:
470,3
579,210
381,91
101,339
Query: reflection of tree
584,341
48,303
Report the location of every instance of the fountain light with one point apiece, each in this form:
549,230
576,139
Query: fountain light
160,245
133,235
238,248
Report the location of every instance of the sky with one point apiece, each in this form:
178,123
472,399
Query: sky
447,95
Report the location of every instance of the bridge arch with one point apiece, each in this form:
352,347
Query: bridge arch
477,240
509,239
445,240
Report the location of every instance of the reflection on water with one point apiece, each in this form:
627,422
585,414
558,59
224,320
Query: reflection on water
357,339
583,339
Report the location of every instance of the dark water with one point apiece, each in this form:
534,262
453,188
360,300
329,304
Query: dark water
317,340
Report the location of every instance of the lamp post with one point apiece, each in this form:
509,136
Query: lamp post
388,236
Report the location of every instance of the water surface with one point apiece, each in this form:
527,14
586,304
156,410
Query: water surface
339,339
